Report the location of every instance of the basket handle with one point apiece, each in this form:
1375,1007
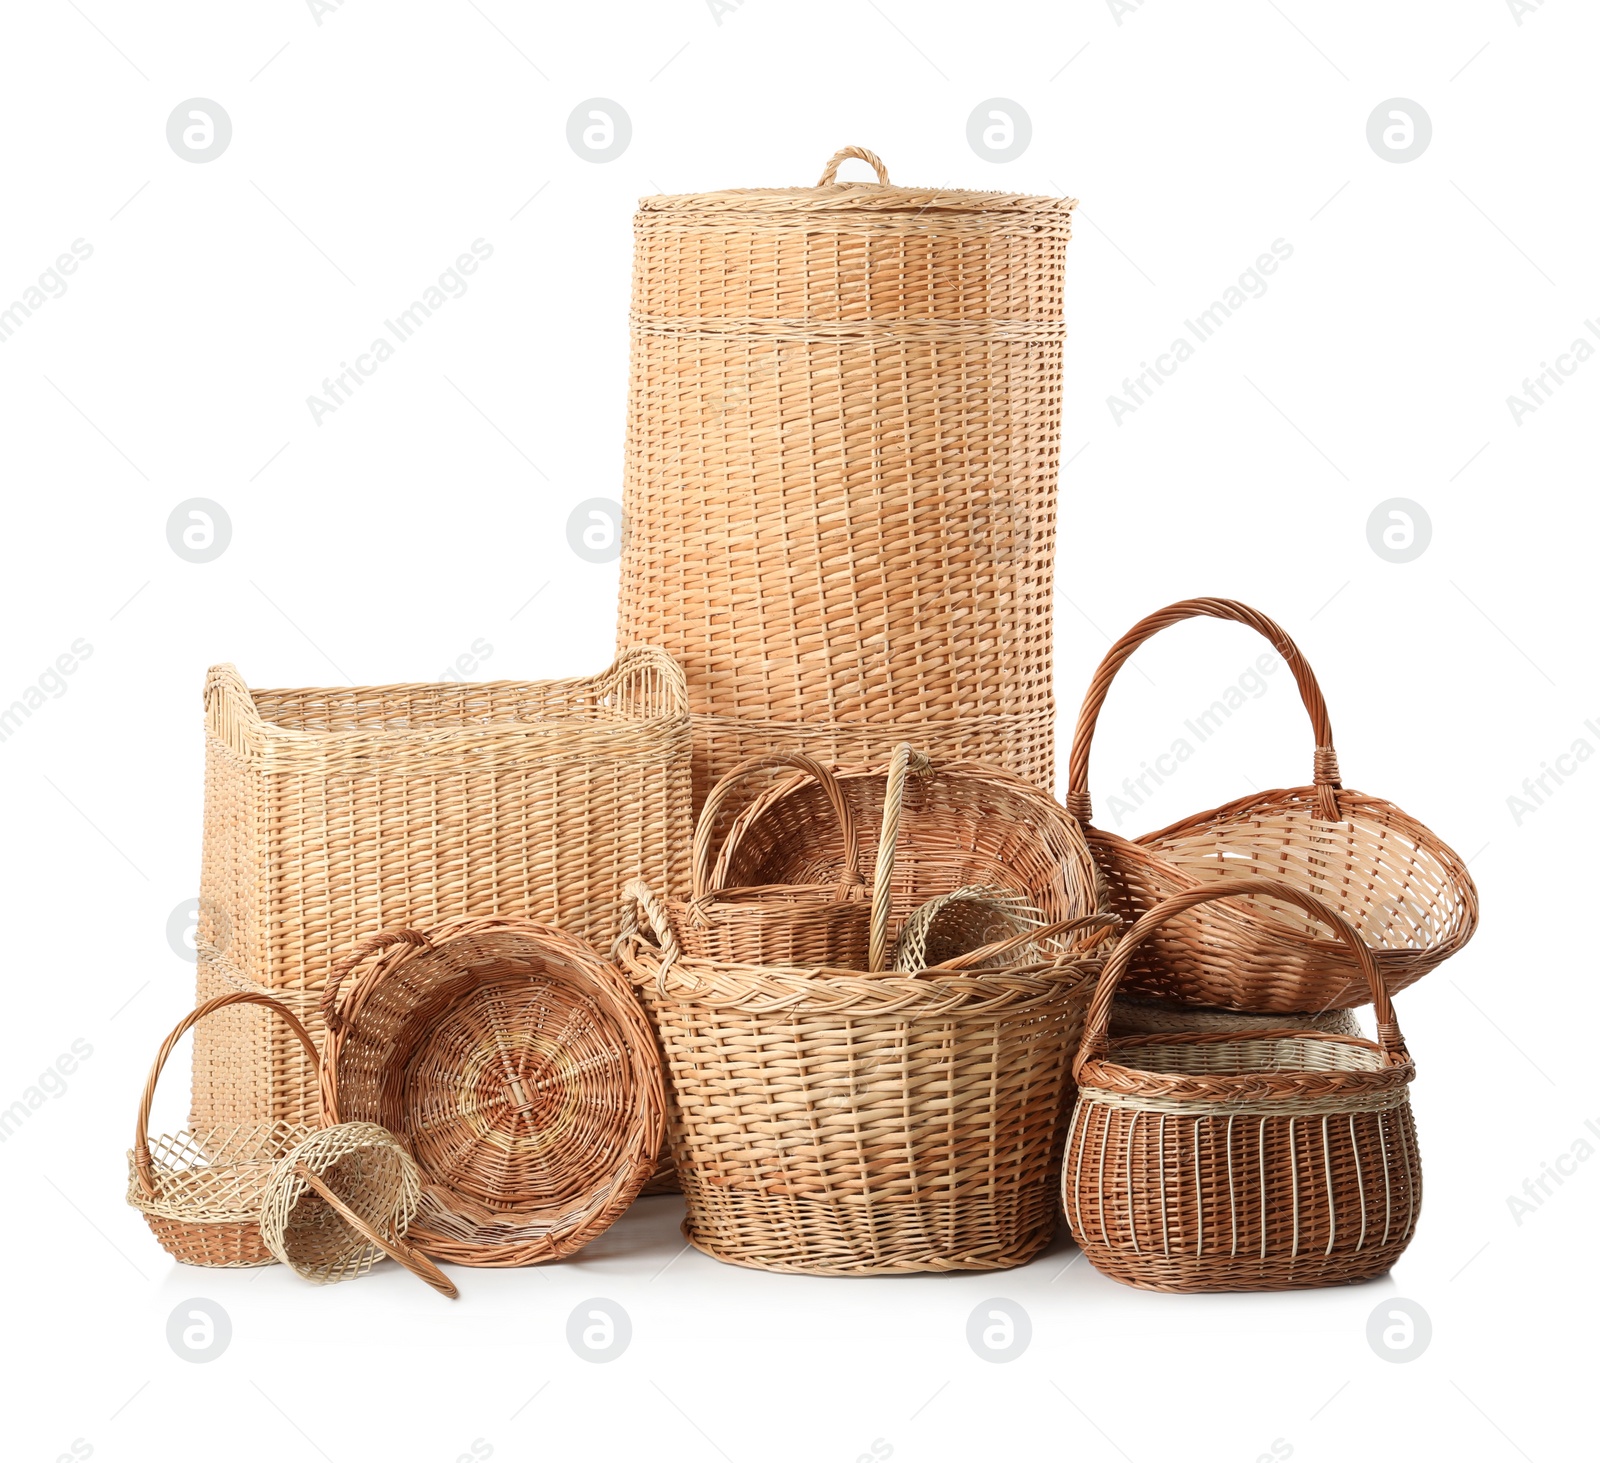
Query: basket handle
332,1016
831,172
704,881
403,1254
141,1136
1039,933
1325,764
637,897
902,764
1096,1023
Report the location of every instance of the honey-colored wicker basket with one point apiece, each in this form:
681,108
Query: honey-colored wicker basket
332,813
961,922
201,1190
843,1122
340,1201
961,823
840,488
517,1068
775,924
1219,1161
1407,893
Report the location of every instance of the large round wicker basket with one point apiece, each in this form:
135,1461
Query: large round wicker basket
843,442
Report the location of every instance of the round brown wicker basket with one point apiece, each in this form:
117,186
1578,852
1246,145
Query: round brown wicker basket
518,1070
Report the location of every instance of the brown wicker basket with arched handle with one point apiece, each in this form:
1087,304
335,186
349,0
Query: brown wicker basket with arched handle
515,1066
1407,892
1219,1161
201,1190
774,924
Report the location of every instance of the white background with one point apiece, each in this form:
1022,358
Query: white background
371,149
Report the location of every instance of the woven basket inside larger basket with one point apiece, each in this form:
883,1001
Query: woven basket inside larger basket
843,442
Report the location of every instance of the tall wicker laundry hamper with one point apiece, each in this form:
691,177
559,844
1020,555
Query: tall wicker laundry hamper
843,443
333,813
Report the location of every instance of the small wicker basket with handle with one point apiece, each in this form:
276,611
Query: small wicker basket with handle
201,1190
1220,1161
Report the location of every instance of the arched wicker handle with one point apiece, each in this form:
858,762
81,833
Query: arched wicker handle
332,1016
902,764
968,959
141,1135
831,172
1325,764
637,899
402,1254
1096,1023
706,883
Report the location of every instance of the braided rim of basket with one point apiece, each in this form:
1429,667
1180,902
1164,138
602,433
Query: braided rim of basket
1096,1068
142,1163
709,877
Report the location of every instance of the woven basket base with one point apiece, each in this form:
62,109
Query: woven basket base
1184,1274
869,1237
227,1246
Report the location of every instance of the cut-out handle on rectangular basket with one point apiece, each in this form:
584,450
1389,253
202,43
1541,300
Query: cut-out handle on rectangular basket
1096,1041
1325,763
141,1137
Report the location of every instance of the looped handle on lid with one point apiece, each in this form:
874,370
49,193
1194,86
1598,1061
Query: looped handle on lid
332,1016
902,764
1325,764
1096,1024
141,1136
831,172
706,883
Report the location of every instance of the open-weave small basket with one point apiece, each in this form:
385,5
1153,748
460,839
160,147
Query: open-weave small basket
1221,1161
841,1122
1407,893
775,924
518,1070
201,1190
960,922
340,1201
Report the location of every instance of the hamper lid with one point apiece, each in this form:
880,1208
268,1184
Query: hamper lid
832,197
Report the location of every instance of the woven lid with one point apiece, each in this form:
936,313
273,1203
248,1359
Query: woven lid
881,198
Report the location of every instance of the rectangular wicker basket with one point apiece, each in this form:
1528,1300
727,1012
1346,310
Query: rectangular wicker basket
332,813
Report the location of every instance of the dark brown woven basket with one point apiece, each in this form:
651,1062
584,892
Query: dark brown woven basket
1264,1160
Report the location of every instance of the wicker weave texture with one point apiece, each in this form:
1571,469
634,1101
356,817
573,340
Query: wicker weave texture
1406,891
840,490
1219,1161
518,1070
201,1190
334,813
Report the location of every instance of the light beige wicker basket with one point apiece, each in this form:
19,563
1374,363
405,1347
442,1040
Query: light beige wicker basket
333,813
843,443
